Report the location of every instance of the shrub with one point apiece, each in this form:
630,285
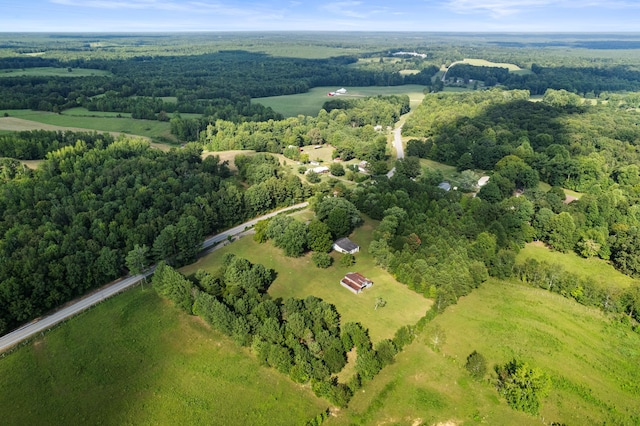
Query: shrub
476,365
321,260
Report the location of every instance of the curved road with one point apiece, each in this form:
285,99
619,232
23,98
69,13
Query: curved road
9,340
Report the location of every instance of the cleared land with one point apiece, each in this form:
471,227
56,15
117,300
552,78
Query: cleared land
20,120
592,362
600,271
298,277
54,72
311,102
136,359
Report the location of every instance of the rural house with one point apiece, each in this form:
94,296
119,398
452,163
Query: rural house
346,246
355,282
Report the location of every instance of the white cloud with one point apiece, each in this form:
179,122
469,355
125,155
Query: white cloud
502,8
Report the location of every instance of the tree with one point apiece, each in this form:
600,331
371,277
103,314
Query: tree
476,365
380,303
313,177
321,260
319,237
337,169
437,337
137,260
347,260
522,386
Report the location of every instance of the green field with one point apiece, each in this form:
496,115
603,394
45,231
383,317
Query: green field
136,359
298,277
593,364
156,130
485,63
600,271
311,102
54,72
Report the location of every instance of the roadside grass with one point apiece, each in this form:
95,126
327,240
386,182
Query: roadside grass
54,72
136,359
299,278
310,103
592,362
599,270
156,130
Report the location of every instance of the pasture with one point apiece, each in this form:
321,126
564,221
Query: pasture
54,72
600,271
592,362
136,359
310,103
19,120
299,278
513,68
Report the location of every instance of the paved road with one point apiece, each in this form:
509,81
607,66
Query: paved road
45,323
397,144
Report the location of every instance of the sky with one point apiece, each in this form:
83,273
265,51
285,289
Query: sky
295,15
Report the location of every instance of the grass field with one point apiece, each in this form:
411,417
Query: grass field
592,362
448,172
597,269
33,120
54,72
311,102
298,277
513,68
135,359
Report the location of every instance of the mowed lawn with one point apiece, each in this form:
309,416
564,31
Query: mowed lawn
33,120
311,102
593,363
136,359
600,271
299,278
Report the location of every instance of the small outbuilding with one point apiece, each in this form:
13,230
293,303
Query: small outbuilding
355,282
346,246
445,186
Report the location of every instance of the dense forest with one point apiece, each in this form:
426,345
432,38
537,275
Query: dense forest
68,226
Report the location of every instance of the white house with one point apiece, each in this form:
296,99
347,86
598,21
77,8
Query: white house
345,245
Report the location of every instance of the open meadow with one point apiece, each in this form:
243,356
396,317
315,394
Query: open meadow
19,120
54,72
311,102
137,359
591,360
298,277
599,270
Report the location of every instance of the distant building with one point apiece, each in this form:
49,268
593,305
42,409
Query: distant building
345,245
445,185
483,181
319,170
355,282
341,91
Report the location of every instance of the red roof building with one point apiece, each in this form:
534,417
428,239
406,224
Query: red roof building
355,282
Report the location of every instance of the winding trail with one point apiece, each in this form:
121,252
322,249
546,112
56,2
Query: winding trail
42,324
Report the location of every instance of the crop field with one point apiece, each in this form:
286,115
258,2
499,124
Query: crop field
298,277
311,102
33,120
136,359
597,269
592,362
54,72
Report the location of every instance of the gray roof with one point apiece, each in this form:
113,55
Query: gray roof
445,185
346,244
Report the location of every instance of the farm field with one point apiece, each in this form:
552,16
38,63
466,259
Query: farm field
592,363
19,120
54,72
311,102
484,63
136,359
298,277
597,269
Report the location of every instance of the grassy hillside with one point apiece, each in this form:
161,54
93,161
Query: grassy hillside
136,359
592,362
54,72
597,269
